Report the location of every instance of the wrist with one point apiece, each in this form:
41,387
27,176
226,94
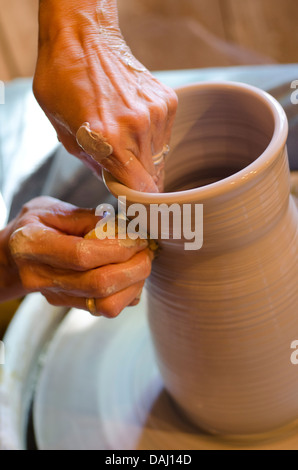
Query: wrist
56,16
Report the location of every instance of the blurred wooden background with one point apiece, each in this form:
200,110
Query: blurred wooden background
171,34
18,38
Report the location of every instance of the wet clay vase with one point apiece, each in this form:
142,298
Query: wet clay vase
223,318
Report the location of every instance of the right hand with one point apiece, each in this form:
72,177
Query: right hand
106,107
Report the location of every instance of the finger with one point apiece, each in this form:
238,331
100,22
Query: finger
137,300
171,99
162,119
131,173
97,283
131,138
162,102
47,246
159,124
62,216
109,307
121,163
172,109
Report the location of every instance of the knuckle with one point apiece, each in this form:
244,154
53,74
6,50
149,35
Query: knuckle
52,300
18,244
99,285
172,100
80,259
29,281
32,281
24,242
36,205
140,120
159,111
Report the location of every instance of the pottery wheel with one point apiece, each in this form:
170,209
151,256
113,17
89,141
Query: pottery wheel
100,389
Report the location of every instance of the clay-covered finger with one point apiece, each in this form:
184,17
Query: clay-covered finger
34,243
65,217
108,280
98,283
112,306
130,172
109,307
118,160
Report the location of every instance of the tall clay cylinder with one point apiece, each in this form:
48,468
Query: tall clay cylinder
223,318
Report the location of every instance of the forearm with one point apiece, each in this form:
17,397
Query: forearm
10,284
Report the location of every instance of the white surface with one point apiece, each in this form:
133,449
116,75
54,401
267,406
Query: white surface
26,137
28,332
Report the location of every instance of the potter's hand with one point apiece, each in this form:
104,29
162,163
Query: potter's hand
107,109
52,256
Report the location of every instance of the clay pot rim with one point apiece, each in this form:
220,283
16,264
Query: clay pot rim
226,185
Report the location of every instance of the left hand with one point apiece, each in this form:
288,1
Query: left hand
48,247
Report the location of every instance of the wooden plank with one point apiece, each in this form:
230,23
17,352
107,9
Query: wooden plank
163,36
172,34
266,26
281,20
207,12
19,27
